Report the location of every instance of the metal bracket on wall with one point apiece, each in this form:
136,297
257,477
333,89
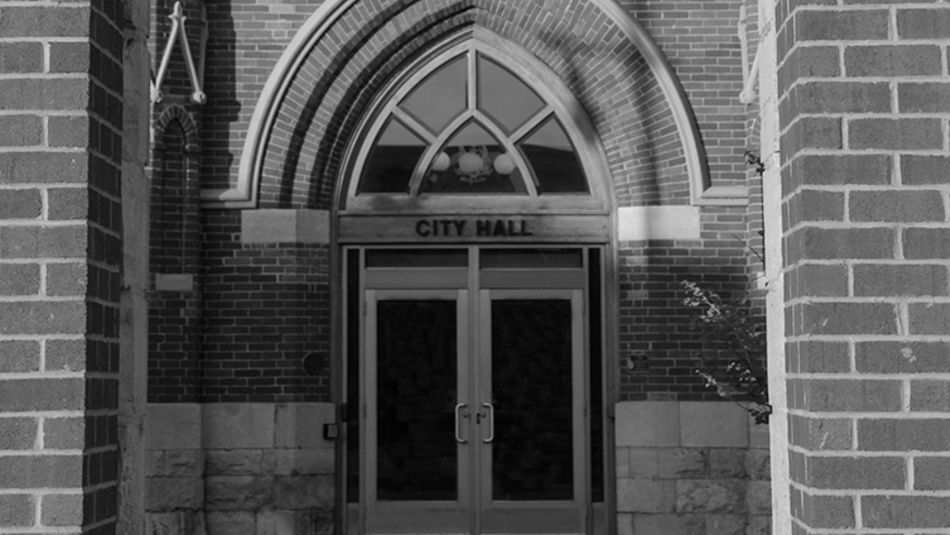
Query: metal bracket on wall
178,32
750,74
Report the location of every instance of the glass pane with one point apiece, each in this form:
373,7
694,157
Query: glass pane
441,97
532,454
553,159
596,379
416,258
416,396
473,161
392,160
504,97
352,375
530,258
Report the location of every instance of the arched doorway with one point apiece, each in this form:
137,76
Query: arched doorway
473,222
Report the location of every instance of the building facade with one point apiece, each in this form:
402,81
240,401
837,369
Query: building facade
418,266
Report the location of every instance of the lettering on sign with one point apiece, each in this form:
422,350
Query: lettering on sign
461,228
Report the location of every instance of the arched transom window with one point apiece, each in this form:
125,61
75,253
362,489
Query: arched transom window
479,125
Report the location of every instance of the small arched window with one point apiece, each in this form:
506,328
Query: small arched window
477,125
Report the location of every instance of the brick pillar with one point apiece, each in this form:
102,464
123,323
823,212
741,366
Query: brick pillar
864,103
60,257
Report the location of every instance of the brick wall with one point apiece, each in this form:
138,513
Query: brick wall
864,112
60,254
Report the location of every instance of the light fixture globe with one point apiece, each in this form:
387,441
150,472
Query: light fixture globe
441,162
503,164
470,163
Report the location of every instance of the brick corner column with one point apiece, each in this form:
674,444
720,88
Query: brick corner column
864,102
60,262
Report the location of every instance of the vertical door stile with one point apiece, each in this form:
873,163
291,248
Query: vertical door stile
463,396
369,390
578,371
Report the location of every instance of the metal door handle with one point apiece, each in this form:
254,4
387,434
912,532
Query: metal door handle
458,436
491,422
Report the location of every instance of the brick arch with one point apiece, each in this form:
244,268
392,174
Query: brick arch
328,76
187,123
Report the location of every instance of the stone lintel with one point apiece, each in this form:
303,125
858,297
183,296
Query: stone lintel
640,223
285,226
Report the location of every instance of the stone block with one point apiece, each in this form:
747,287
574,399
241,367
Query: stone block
625,524
164,524
233,462
710,496
172,426
759,436
622,462
713,424
758,464
304,492
173,493
759,525
237,425
647,423
727,463
276,523
305,461
300,425
667,463
759,497
174,463
668,525
238,493
725,524
230,523
646,496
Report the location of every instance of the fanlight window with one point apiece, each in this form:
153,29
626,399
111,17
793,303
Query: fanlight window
471,127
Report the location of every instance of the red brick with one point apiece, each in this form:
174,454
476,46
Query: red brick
856,472
16,510
848,318
930,396
68,203
896,206
895,134
41,394
923,97
921,434
21,57
29,471
812,133
842,97
902,357
69,57
42,167
69,131
43,242
924,169
20,130
923,23
20,204
840,25
18,356
855,243
19,279
926,243
818,205
39,317
845,169
929,318
827,511
44,93
932,473
833,395
809,62
880,60
818,357
64,433
829,434
44,21
916,512
61,509
17,434
900,280
66,355
66,279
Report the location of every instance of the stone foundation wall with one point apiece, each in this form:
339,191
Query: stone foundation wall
240,469
691,468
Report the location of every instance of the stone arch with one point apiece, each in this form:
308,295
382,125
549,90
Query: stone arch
347,51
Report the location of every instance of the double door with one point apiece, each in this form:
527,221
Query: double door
474,402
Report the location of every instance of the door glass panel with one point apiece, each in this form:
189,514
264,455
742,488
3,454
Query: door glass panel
416,396
532,452
392,160
530,258
473,161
